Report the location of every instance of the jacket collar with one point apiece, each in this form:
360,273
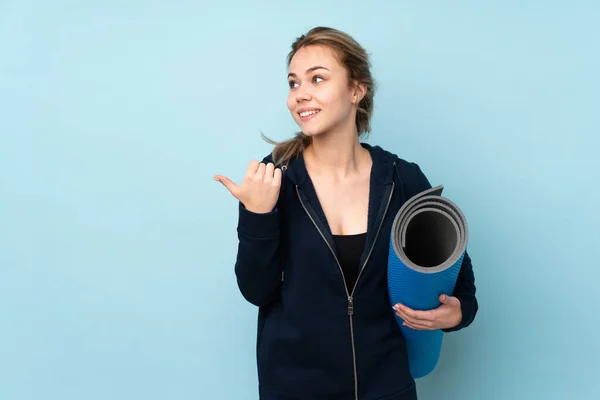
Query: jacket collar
382,170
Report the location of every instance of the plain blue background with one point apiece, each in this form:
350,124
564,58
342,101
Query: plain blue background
117,247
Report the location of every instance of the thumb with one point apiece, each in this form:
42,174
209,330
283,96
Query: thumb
449,300
228,183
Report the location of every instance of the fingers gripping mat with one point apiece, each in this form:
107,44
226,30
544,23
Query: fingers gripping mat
427,246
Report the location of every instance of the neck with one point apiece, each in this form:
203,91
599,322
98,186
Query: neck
336,156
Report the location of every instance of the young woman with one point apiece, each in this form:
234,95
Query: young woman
314,228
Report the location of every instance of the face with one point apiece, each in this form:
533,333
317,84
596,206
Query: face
320,99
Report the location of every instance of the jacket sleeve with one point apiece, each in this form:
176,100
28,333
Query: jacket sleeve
258,268
465,292
465,288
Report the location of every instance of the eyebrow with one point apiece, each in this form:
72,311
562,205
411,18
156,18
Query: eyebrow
311,69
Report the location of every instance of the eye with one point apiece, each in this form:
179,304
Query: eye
291,84
317,77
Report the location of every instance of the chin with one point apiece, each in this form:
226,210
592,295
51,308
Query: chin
311,132
312,129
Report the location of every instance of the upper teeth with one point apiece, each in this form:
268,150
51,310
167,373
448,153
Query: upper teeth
307,113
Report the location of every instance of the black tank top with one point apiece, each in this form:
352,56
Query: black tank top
349,250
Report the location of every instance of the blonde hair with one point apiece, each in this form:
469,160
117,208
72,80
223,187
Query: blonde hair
355,60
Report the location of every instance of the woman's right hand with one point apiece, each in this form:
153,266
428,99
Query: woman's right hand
259,190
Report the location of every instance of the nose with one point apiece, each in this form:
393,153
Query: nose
302,94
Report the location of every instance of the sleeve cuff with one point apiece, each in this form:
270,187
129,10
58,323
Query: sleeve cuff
258,225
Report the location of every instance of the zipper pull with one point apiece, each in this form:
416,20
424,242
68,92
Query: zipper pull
350,306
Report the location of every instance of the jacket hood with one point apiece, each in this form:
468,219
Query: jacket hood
382,170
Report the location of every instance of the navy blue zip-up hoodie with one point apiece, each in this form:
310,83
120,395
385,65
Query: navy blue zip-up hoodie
316,340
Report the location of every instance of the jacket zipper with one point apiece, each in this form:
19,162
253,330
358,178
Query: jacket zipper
387,205
350,296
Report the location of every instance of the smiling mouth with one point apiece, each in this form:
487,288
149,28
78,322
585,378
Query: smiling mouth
306,115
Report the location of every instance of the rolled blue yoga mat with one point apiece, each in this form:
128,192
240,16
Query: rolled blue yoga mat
427,246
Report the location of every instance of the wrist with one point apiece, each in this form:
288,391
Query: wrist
456,317
257,210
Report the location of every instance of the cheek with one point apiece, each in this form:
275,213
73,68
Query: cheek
334,96
291,103
336,101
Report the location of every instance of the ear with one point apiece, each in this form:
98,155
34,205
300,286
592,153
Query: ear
359,91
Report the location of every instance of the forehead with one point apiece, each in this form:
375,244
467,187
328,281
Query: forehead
311,56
